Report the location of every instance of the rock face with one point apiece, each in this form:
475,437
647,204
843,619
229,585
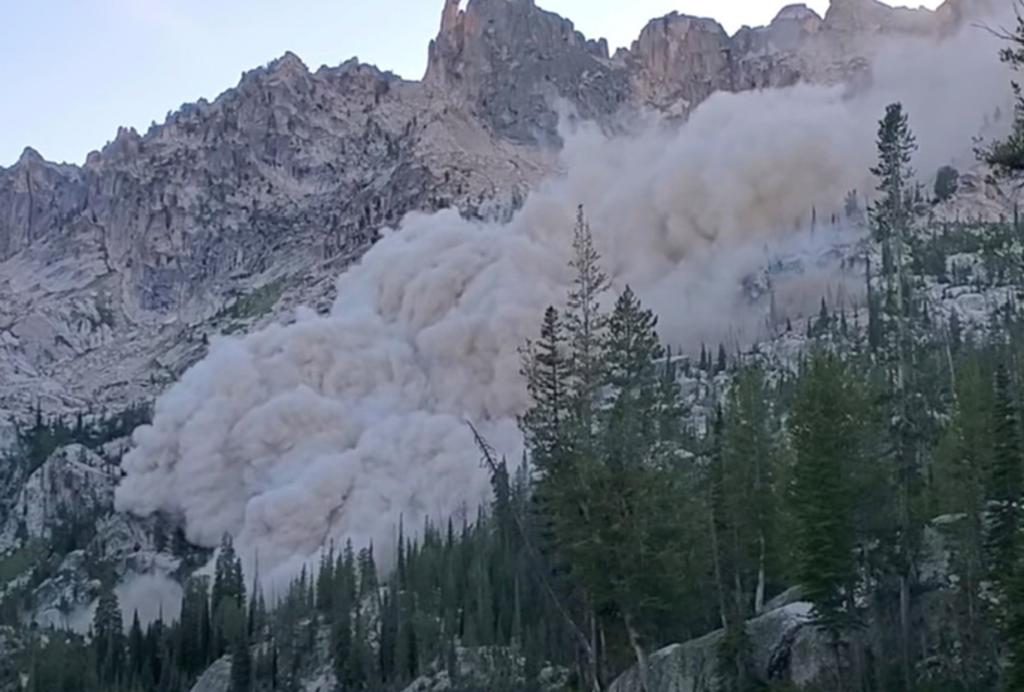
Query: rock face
73,484
113,274
509,62
58,528
105,269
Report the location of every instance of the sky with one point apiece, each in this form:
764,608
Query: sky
72,71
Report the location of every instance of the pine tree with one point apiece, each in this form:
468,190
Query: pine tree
560,429
585,325
1007,483
546,371
891,221
825,439
631,375
325,580
750,485
228,587
136,646
1013,629
368,584
193,644
108,637
637,534
963,460
241,662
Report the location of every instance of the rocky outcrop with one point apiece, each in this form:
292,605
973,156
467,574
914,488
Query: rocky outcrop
785,644
679,61
510,62
73,485
480,667
106,269
217,677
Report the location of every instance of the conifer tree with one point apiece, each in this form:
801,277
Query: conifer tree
749,485
560,429
547,370
963,460
193,641
1007,483
825,439
585,324
631,376
1013,628
637,534
108,638
241,662
228,587
891,221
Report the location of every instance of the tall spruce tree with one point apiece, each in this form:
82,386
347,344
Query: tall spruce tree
585,324
750,457
1007,482
632,559
892,217
1013,629
560,428
546,369
108,638
963,461
826,437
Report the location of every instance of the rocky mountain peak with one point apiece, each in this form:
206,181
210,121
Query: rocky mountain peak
856,16
125,145
798,12
30,156
508,60
289,63
681,60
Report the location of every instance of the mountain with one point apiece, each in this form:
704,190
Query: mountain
239,214
114,274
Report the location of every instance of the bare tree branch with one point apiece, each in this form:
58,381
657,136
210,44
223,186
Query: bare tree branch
489,457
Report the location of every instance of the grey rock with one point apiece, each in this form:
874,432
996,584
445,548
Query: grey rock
73,484
785,643
216,678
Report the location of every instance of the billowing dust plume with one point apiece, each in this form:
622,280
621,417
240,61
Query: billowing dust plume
334,427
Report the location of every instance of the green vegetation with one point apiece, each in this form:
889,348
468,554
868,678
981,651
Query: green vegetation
255,304
947,181
1007,156
20,561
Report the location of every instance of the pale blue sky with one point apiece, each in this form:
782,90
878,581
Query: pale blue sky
72,71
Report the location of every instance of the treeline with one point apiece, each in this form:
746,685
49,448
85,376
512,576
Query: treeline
465,587
46,434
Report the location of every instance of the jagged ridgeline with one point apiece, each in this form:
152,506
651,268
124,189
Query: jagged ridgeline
748,418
